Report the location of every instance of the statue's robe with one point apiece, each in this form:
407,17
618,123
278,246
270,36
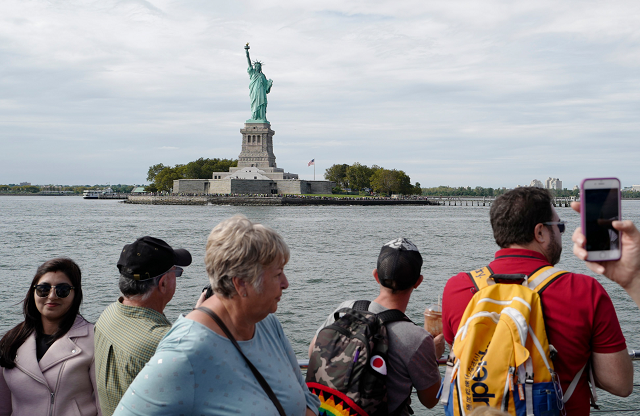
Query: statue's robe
259,87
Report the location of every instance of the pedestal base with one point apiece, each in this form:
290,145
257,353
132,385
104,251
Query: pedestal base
257,145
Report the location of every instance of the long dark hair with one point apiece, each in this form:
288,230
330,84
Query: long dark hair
16,336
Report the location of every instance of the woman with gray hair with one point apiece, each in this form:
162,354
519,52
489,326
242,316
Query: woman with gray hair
229,356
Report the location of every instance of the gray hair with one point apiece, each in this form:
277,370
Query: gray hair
137,289
240,248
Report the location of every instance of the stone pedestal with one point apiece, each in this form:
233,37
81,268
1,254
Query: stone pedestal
257,146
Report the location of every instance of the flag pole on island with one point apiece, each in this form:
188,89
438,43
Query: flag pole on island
313,162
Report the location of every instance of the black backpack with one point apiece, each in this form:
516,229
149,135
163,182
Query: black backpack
348,364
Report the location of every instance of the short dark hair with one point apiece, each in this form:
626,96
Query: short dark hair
15,337
515,214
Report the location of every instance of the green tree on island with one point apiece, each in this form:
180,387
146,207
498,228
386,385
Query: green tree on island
358,177
391,182
337,174
162,177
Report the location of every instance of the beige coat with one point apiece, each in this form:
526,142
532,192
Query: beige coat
63,383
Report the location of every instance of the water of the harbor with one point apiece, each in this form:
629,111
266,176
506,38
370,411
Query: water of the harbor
333,251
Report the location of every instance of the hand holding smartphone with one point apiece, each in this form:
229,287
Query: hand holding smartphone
209,291
599,207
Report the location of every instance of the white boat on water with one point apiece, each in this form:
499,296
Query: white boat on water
97,193
91,194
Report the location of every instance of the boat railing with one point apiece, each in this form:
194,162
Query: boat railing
304,363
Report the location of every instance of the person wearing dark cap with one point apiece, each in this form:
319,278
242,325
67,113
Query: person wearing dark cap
412,350
129,330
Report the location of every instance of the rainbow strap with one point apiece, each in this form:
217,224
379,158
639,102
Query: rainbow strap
334,403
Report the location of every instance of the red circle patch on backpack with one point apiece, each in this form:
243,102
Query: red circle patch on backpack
378,364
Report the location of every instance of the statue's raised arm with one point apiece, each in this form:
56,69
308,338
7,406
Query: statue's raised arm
246,48
259,87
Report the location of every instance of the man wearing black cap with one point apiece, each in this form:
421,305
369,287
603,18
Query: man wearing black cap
412,350
129,330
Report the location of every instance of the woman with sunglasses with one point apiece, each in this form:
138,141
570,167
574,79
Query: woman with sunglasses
46,361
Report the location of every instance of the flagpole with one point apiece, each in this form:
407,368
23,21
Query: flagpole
314,169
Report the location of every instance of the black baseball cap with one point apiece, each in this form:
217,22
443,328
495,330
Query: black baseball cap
149,257
399,264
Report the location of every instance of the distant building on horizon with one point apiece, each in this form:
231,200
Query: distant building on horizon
553,183
550,183
536,183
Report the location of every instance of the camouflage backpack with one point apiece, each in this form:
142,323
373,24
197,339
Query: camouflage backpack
348,365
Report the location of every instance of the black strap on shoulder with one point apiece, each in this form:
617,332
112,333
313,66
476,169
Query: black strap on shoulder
509,278
254,370
393,315
361,305
390,315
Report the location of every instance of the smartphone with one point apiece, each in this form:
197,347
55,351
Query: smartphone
599,207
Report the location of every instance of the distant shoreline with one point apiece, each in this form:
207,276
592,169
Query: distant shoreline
286,200
268,200
37,194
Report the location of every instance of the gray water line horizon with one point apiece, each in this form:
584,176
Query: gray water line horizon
333,253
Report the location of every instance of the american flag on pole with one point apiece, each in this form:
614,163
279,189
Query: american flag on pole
313,162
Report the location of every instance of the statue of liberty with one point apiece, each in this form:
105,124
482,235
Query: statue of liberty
259,87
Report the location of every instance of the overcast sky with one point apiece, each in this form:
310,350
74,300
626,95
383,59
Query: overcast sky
478,93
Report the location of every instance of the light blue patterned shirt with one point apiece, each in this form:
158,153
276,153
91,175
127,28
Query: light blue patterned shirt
198,372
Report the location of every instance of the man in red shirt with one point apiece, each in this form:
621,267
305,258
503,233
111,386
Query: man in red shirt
579,315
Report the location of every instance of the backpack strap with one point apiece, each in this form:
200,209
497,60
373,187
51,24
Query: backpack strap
567,395
594,395
393,315
388,316
481,277
543,277
538,281
361,305
452,365
592,388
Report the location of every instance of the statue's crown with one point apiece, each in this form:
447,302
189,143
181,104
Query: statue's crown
258,62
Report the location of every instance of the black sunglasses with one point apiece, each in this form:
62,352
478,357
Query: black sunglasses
560,224
62,290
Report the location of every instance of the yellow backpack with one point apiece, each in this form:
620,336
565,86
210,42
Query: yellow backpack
501,356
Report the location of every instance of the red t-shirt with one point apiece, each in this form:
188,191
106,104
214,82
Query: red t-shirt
579,317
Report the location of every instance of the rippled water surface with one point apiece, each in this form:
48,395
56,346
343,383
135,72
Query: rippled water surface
333,252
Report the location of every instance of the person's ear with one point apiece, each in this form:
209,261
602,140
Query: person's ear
539,233
375,274
240,286
162,284
420,279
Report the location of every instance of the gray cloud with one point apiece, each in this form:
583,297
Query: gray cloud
455,93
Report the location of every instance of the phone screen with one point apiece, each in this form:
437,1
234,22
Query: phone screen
601,209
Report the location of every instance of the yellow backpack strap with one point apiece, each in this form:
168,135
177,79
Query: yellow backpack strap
543,277
480,277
